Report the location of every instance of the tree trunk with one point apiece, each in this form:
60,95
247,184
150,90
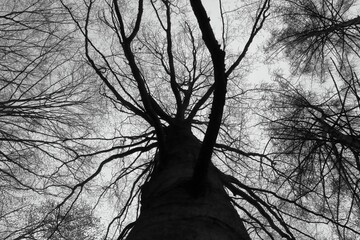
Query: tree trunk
170,211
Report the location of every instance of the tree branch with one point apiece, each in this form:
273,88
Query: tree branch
220,81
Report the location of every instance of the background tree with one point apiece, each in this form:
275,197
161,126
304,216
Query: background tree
315,33
44,105
313,124
47,221
314,139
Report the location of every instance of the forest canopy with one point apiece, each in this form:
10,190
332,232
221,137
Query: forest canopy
158,119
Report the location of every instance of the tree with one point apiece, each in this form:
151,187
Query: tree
316,150
314,32
48,222
314,131
44,104
166,77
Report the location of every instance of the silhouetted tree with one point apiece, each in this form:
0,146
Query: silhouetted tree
166,70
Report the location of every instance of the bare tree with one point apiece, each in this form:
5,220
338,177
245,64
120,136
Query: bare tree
314,32
44,106
314,131
45,220
315,143
165,69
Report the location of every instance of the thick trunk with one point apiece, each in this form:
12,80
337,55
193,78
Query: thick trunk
170,211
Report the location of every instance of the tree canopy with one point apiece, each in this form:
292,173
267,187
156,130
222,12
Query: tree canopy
113,109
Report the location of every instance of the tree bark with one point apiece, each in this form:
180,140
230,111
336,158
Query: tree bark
170,211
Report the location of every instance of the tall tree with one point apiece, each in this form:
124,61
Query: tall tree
165,68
